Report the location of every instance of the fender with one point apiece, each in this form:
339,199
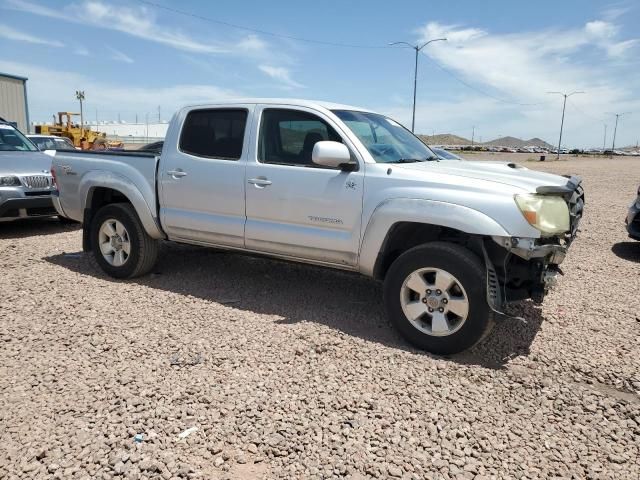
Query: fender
431,212
106,179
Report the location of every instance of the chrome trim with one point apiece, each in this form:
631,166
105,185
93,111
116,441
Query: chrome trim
38,182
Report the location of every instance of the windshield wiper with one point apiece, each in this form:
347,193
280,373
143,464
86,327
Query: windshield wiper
407,160
415,160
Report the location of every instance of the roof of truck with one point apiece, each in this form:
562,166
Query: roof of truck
287,101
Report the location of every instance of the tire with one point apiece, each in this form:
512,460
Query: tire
420,267
142,249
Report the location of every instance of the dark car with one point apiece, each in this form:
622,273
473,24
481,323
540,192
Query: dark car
155,147
633,218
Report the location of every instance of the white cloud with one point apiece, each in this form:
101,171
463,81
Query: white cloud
281,74
139,22
519,68
119,56
53,91
18,36
601,29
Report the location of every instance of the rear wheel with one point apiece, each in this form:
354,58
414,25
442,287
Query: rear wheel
435,295
120,245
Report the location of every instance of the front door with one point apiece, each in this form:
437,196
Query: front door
202,178
295,208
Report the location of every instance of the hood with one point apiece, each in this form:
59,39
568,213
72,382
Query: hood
24,163
499,172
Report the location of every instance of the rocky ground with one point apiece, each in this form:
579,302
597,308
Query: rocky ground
287,371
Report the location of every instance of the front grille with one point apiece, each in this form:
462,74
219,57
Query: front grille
38,212
11,213
38,181
43,193
576,206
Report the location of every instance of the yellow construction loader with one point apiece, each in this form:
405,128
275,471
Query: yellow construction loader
64,126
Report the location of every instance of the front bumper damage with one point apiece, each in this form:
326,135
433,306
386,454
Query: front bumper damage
528,267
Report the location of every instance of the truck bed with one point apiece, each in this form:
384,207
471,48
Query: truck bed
131,171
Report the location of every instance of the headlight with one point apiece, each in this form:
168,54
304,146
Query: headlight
548,214
9,182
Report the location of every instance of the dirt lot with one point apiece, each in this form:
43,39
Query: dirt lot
293,372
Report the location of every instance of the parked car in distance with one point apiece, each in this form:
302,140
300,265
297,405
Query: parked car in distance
155,147
337,186
51,142
632,220
445,154
26,184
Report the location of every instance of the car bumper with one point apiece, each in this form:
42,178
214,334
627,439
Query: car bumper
55,197
26,207
633,220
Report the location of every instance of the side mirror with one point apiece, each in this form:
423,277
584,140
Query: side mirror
332,154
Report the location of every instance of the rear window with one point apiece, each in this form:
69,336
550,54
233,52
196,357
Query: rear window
215,133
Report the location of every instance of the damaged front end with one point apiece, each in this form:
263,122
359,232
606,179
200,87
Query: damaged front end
520,268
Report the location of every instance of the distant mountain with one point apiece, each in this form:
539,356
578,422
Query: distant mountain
444,139
511,142
538,142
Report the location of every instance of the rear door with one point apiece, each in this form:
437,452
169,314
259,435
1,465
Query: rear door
294,207
201,176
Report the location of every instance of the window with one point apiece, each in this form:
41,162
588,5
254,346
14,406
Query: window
12,140
214,133
386,140
287,137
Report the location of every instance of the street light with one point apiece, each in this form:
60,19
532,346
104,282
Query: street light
80,96
417,48
615,130
564,105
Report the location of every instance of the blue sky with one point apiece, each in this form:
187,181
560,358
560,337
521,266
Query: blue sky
493,73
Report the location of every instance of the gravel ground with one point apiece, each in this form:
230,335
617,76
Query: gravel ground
291,371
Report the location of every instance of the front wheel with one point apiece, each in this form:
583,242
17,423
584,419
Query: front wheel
435,295
120,245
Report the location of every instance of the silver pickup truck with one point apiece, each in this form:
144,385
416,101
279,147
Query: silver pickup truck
337,186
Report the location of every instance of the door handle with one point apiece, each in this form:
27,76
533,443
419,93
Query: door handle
259,182
177,173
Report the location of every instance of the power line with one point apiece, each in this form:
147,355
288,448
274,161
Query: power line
258,30
468,85
599,120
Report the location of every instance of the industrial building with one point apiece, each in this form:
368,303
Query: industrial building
13,100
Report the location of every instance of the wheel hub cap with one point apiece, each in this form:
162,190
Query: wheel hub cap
434,301
114,242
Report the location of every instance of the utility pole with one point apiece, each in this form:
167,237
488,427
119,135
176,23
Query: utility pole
80,97
473,134
564,105
159,114
136,118
615,130
417,48
604,141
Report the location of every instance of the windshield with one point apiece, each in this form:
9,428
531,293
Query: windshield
386,140
12,140
445,155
